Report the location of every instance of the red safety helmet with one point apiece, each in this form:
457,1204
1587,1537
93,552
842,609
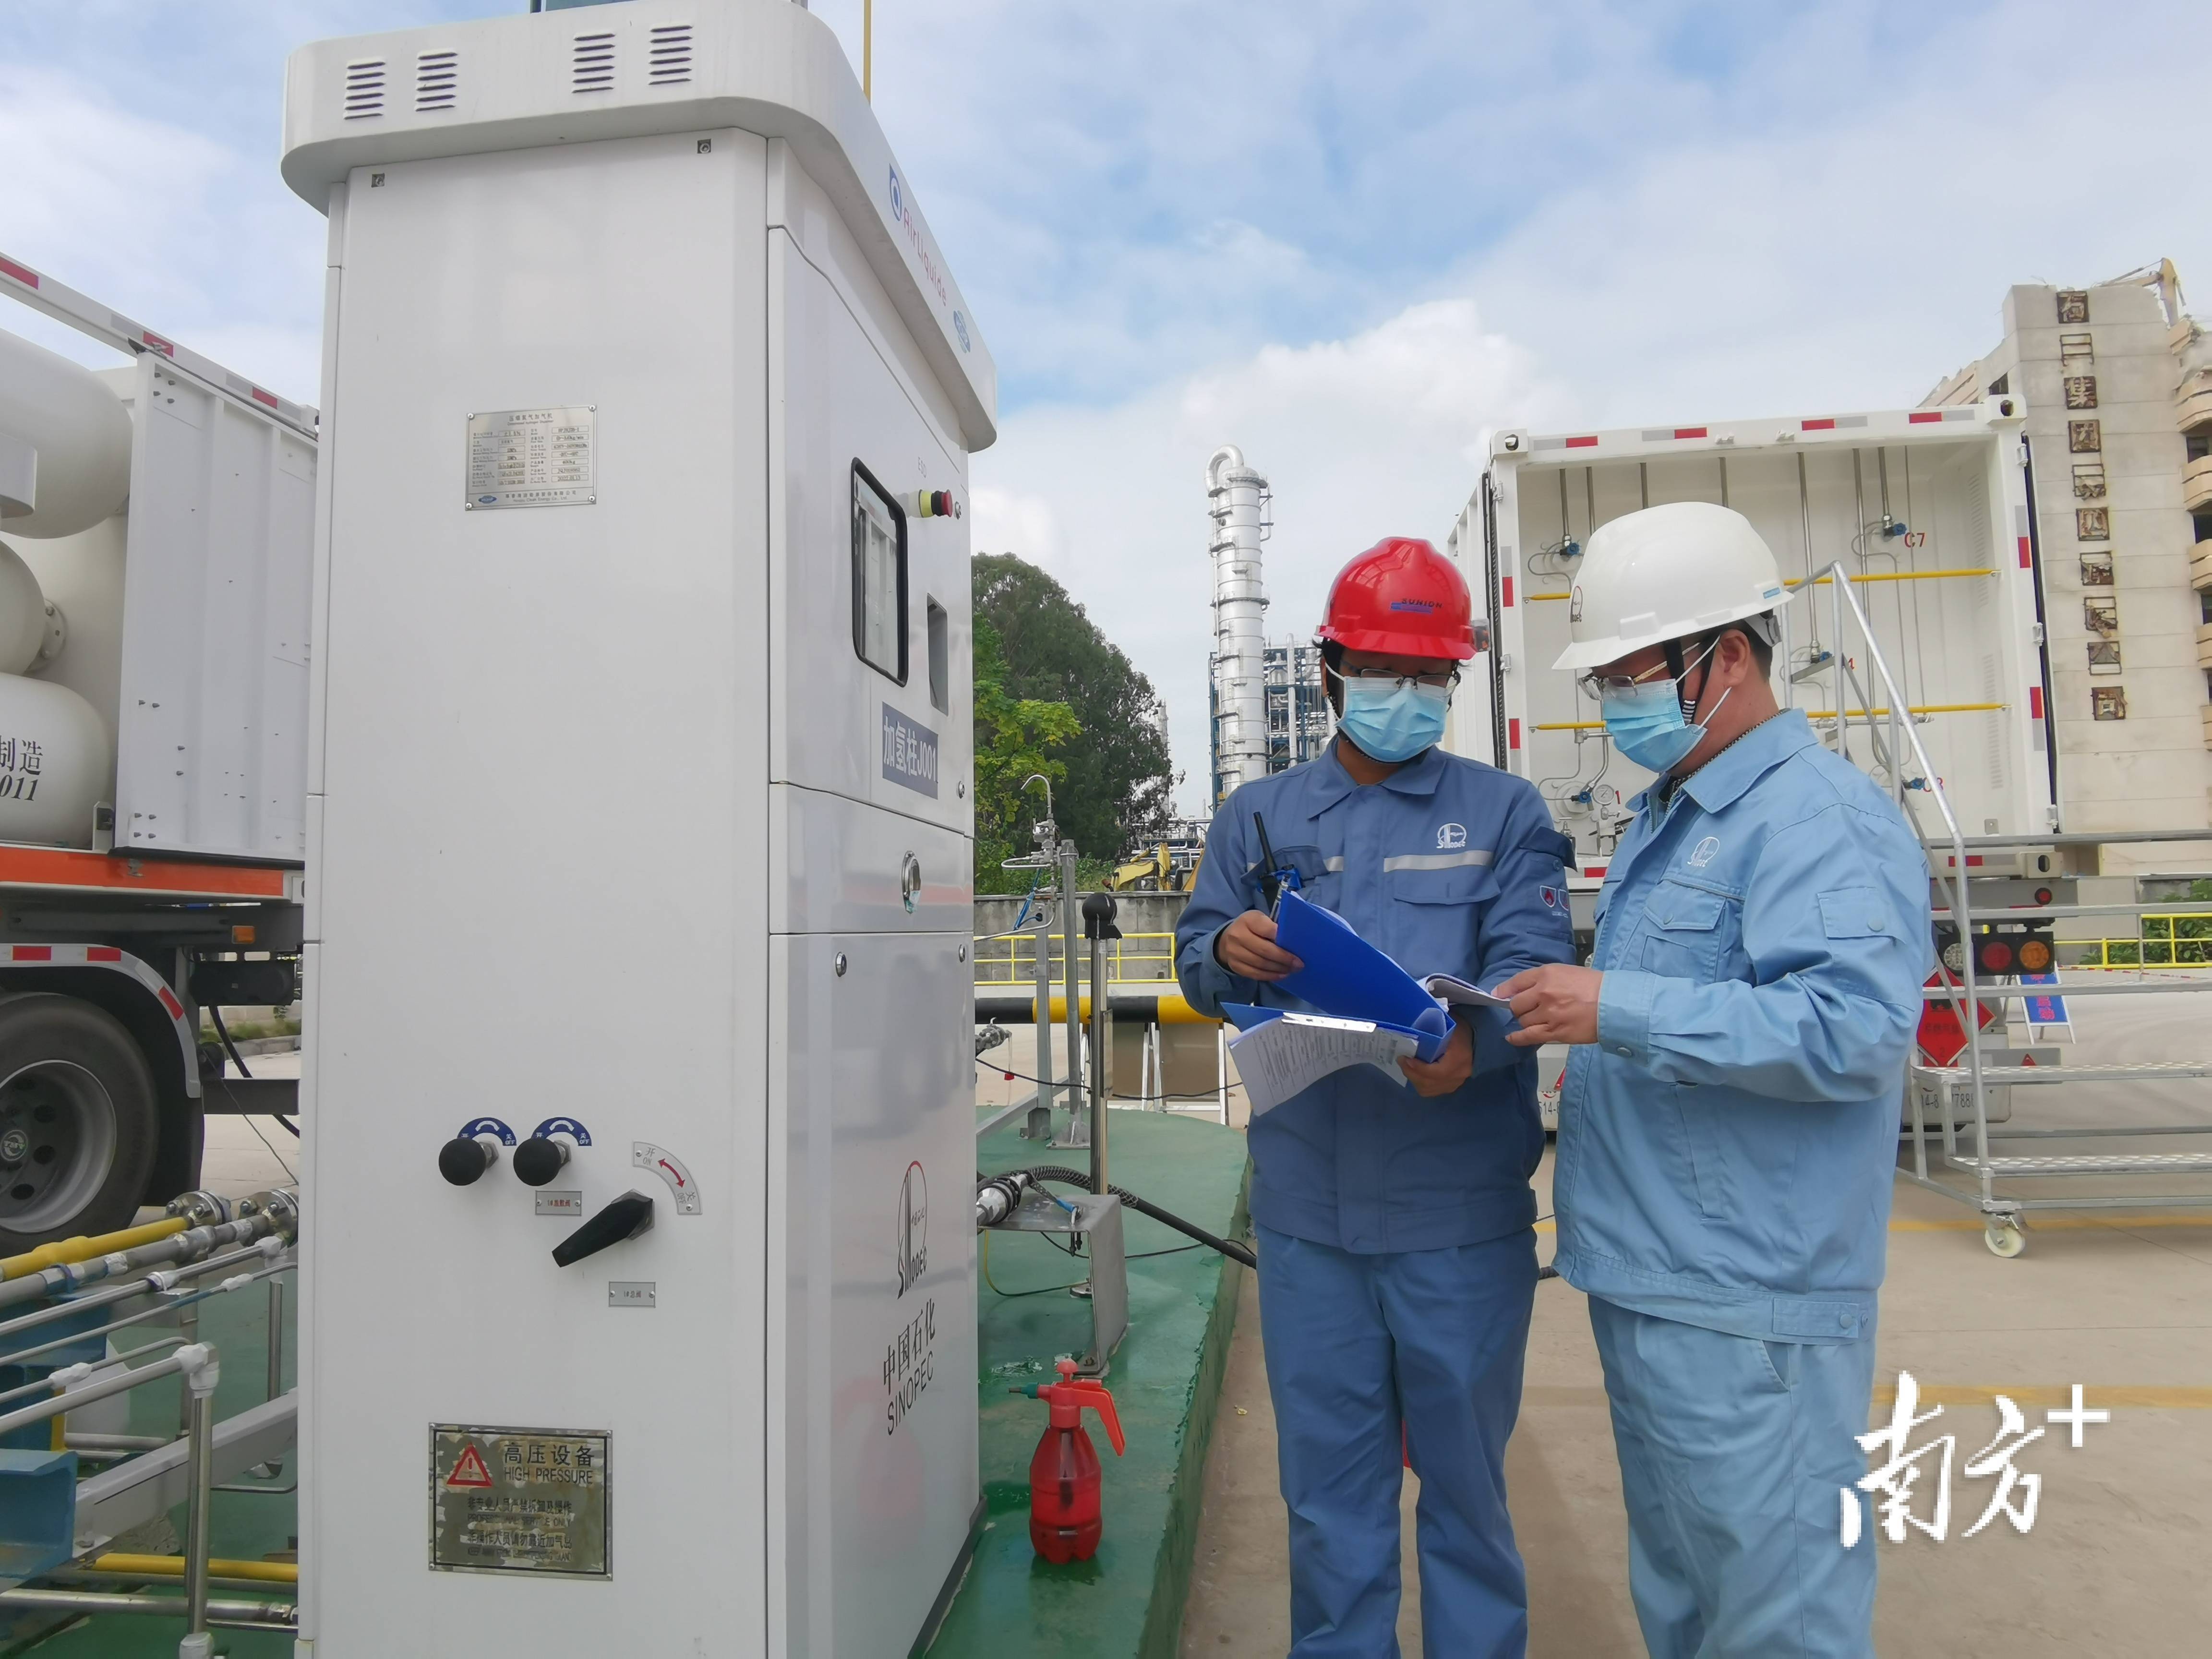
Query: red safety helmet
1400,598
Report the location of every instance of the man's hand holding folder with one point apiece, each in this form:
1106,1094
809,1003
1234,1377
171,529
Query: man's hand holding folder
1247,947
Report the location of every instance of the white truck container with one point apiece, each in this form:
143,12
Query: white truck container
1926,508
155,554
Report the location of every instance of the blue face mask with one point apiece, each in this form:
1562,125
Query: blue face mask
1646,724
1396,724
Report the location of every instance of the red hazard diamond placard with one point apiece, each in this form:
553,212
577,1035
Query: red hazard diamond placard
469,1469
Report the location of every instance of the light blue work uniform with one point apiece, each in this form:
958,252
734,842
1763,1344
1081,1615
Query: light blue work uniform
1726,1153
1397,1265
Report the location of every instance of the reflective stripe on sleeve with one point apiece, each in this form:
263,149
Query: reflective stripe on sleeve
1436,860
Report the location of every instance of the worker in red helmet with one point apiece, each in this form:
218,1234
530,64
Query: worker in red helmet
1397,1255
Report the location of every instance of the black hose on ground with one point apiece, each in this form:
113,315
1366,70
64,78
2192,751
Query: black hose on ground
1067,1178
1234,1252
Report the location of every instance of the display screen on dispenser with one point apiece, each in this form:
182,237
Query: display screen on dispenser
878,578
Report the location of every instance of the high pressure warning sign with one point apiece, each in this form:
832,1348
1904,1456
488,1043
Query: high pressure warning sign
533,458
518,1500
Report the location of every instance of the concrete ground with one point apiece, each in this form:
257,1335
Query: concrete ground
242,1155
2120,1303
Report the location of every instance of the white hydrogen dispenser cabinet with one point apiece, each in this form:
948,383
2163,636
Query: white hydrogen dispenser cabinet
639,843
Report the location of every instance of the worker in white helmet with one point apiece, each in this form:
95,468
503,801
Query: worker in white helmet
1728,1124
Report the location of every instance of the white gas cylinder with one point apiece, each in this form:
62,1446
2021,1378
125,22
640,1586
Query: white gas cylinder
25,621
56,763
82,434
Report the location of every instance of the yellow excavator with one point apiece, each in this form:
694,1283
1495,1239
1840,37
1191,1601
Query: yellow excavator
1156,874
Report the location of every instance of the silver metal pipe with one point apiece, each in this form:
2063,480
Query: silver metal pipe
116,1443
1068,932
276,1383
109,1297
235,1282
177,1247
1041,974
221,1615
196,1549
1101,1039
61,1403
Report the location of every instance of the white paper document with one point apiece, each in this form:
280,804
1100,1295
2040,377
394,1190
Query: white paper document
1446,988
1286,1055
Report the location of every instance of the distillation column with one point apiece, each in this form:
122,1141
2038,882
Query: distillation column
1235,496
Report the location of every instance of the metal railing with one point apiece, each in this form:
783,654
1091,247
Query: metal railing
1914,789
1132,958
2159,944
264,1233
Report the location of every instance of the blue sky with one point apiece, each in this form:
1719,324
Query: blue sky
1353,239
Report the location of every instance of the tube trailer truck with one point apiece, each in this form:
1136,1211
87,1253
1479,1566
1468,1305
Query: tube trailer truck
156,553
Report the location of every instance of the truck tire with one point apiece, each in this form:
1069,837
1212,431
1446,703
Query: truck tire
78,1123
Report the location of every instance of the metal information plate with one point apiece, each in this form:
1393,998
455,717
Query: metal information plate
518,1500
561,1203
532,457
633,1293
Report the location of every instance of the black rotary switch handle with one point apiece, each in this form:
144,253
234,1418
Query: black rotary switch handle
626,1218
539,1158
464,1158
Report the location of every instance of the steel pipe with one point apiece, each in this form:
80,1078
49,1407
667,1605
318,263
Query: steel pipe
187,1246
187,1320
220,1615
195,1354
1074,1076
201,1379
108,1298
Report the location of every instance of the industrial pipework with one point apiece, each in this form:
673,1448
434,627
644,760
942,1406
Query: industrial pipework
1235,496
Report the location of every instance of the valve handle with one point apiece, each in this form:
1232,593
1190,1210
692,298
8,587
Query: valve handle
626,1218
538,1160
465,1158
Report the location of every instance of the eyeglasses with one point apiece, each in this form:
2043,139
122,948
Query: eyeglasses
1598,686
1377,679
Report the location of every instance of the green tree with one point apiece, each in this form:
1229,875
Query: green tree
1012,735
1118,789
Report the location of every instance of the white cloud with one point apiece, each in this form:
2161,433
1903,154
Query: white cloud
158,221
1381,434
1826,251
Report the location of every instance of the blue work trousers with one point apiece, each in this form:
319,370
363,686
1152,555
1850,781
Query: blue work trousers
1732,1453
1367,1354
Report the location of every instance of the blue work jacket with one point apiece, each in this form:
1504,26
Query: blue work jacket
1728,1144
1448,866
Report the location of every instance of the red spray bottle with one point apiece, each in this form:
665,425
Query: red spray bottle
1063,1516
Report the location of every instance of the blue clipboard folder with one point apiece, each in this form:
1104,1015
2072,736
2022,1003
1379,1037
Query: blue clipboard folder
1346,978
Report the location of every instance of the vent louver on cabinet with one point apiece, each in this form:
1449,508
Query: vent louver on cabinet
436,77
670,55
592,67
364,89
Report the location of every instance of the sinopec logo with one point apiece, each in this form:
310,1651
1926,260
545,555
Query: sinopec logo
912,1228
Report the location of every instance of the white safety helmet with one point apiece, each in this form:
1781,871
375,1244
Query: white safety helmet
1666,573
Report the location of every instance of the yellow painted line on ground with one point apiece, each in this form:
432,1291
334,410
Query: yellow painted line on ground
2095,1396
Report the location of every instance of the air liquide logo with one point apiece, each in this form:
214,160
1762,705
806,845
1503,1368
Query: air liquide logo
902,217
912,1228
